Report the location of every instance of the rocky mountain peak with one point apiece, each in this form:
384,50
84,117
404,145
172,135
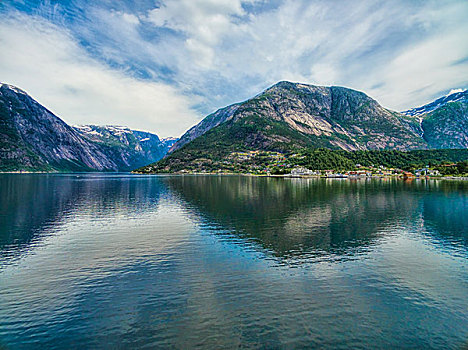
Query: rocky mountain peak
290,115
12,88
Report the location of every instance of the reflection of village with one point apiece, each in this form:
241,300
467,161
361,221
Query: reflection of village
278,160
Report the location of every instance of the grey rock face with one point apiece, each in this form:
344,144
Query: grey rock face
33,137
208,123
334,117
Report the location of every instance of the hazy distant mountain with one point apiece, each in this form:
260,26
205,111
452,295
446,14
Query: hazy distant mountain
128,148
168,142
33,138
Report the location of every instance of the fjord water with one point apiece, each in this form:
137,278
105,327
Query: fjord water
125,261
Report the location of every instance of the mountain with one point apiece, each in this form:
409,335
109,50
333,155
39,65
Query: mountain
444,122
208,123
292,116
440,102
297,115
168,142
285,118
288,117
128,148
34,139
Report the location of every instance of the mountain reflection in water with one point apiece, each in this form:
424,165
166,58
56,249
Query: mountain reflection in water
292,218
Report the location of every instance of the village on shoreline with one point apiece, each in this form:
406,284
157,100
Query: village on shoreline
301,165
331,175
319,163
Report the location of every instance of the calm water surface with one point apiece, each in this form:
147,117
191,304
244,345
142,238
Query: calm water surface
122,261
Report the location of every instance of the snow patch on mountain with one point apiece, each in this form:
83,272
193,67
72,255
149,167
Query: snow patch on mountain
13,88
454,91
454,96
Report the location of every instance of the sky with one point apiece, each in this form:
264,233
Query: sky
161,66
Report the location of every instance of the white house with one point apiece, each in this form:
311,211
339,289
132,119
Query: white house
427,172
302,171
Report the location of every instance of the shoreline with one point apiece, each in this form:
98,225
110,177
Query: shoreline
285,176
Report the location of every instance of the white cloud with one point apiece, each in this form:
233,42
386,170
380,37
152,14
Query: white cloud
430,66
423,71
129,18
202,22
47,62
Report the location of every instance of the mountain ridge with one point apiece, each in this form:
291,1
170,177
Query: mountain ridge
32,138
309,117
444,121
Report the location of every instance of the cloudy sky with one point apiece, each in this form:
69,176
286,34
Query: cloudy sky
162,66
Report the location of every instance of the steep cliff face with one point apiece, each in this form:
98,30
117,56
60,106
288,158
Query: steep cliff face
333,117
33,138
447,126
444,122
